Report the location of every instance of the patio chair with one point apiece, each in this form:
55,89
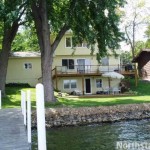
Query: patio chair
106,90
116,90
76,92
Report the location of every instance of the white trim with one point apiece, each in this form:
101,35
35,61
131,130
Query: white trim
85,85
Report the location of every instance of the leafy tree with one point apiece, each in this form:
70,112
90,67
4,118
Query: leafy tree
10,20
147,33
139,45
147,44
90,20
134,20
26,40
125,57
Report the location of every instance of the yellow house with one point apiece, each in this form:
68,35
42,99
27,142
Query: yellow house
76,69
24,67
73,68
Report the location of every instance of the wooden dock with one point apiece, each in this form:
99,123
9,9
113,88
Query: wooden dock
13,134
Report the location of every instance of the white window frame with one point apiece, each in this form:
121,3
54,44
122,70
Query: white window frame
69,84
29,65
101,82
66,41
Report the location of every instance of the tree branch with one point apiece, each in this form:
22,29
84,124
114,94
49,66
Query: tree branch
38,23
128,36
59,37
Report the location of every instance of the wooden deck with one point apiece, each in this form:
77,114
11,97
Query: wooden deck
68,74
12,130
91,71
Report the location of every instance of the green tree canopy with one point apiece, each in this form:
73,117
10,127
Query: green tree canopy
25,40
147,33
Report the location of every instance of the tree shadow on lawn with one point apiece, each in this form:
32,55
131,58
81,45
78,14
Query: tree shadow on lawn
94,103
7,102
13,90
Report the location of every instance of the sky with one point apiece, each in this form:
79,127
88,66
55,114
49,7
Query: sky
142,13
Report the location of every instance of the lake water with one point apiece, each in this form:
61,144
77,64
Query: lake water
126,135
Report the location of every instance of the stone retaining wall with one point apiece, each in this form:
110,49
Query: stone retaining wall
57,117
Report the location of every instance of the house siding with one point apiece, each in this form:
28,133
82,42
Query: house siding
94,89
16,73
63,50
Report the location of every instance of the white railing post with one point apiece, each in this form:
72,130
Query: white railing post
24,108
0,100
40,117
29,116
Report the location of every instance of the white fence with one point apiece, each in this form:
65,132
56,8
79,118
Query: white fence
26,111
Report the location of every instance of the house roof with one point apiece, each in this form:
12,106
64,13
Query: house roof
139,54
25,54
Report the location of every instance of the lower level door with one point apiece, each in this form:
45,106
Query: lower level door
88,86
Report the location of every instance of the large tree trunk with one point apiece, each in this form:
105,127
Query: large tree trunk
3,67
39,12
41,23
8,37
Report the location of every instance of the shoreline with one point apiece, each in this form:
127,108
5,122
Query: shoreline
67,116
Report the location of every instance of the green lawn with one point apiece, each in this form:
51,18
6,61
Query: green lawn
142,96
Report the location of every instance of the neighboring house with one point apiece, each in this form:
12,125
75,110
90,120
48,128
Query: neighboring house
143,60
24,67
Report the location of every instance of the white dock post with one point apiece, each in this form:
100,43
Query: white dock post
22,102
0,100
29,115
24,107
40,117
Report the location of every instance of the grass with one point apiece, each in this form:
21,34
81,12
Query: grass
13,97
142,96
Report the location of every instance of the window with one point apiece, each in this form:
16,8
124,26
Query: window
79,45
69,63
70,84
105,61
66,84
68,42
73,84
98,83
27,65
84,44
